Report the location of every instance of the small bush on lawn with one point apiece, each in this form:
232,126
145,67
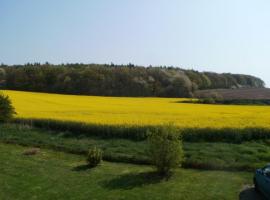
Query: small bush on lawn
6,109
165,149
94,157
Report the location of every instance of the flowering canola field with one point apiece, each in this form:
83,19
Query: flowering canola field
136,111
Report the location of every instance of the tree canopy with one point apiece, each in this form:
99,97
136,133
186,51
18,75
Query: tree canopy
117,80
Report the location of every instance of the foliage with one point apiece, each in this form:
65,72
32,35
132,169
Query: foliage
207,101
118,80
165,149
2,77
6,109
94,157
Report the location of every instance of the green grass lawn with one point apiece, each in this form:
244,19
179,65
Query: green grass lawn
244,156
57,175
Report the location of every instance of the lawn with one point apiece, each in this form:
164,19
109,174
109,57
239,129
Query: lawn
136,111
56,175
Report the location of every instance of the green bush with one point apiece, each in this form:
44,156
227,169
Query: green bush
165,149
207,101
6,109
94,157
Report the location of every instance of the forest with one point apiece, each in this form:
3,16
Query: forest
118,80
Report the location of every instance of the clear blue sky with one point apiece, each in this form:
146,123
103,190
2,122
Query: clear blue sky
206,35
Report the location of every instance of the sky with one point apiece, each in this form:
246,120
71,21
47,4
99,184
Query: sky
205,35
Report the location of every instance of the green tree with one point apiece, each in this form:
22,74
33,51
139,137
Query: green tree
165,149
6,109
2,77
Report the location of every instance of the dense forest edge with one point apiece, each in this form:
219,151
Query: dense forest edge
118,80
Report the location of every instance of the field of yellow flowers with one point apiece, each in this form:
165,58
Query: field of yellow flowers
139,111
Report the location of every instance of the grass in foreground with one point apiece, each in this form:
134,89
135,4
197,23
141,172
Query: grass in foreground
54,175
202,155
136,111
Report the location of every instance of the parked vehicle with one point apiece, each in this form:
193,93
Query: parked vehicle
262,181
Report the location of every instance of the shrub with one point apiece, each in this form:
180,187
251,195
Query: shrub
94,157
6,109
207,101
165,149
212,98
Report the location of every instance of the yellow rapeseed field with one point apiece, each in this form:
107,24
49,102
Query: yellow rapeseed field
140,111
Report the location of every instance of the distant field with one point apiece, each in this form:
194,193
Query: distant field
246,93
136,111
140,111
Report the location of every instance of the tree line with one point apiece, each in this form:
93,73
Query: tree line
117,80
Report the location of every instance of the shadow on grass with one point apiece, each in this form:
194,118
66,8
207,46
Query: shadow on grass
130,181
250,194
83,167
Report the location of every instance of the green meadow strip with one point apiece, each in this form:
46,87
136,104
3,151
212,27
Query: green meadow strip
246,156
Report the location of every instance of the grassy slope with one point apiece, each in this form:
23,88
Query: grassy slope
54,175
136,111
245,156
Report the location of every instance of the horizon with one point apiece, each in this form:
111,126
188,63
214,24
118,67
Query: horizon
217,36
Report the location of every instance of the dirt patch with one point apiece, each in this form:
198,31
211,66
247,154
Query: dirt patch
244,93
31,151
